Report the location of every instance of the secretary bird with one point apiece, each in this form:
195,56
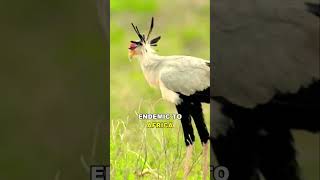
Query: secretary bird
183,81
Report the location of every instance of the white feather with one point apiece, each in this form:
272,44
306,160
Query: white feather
175,74
185,74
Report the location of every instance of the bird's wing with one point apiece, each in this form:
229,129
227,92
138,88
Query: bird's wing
185,75
271,47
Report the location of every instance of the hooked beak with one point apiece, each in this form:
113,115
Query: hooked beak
131,48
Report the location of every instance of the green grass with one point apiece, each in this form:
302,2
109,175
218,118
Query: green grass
150,152
138,152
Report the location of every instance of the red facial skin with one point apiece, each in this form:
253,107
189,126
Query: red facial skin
132,46
132,50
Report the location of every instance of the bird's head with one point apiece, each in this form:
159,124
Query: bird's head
139,48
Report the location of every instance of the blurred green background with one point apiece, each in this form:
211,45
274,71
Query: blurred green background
53,94
136,151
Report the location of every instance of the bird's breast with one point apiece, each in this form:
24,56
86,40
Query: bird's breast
151,74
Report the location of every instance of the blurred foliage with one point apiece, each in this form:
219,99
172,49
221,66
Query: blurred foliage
131,6
53,89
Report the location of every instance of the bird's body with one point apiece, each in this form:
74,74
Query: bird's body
267,83
183,81
175,74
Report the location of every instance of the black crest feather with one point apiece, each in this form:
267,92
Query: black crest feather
155,40
142,37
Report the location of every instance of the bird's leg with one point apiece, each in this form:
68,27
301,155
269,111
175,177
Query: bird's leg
187,161
277,146
184,110
197,115
205,164
237,151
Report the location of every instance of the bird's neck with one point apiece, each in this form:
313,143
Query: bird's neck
149,62
148,57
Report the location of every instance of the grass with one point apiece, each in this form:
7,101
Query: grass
150,153
138,152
